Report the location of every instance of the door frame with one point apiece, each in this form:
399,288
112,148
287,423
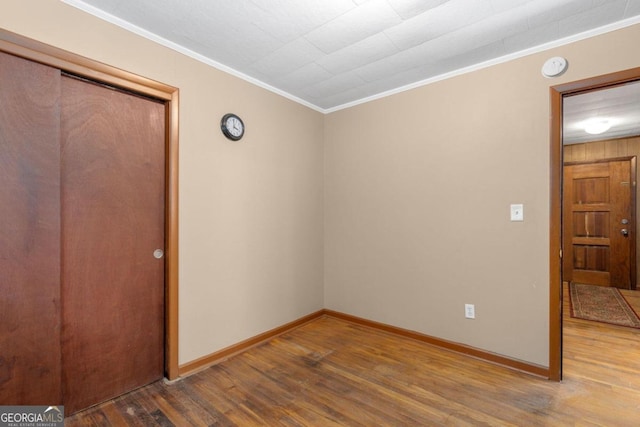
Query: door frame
93,70
555,220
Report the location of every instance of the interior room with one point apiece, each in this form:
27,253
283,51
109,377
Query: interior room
358,212
615,113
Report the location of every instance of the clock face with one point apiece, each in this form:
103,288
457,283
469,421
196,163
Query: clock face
232,127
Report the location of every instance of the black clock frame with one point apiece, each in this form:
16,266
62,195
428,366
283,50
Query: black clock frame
226,131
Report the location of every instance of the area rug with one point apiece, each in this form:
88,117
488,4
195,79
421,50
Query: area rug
601,304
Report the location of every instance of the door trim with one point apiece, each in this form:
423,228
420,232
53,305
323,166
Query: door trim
75,64
555,220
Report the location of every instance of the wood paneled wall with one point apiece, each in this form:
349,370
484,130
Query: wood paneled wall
608,149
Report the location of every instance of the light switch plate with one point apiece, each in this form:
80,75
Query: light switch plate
517,212
470,311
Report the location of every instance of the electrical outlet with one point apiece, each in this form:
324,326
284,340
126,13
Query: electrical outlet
470,311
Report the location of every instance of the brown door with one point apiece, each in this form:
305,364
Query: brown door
598,223
112,221
29,233
82,211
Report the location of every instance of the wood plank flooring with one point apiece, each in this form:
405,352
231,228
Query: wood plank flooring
333,373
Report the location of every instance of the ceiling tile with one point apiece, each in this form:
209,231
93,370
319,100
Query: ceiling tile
144,14
334,85
358,54
544,11
533,37
287,20
288,58
344,97
400,79
503,5
402,61
474,55
633,9
450,16
355,25
223,31
410,8
593,18
464,41
308,75
489,30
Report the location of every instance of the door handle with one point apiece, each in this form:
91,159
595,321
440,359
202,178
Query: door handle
624,232
158,253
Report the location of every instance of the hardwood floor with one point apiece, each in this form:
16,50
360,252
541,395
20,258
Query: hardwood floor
334,373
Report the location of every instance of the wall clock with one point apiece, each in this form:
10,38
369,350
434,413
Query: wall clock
232,127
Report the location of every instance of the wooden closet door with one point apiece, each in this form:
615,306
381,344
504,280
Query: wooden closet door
29,233
113,147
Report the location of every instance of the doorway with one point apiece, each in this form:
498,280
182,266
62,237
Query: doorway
557,95
167,96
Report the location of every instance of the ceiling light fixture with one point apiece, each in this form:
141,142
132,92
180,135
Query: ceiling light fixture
596,125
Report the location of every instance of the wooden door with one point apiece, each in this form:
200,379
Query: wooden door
112,221
29,233
599,223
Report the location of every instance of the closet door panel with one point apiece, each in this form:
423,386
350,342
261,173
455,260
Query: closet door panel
113,147
29,233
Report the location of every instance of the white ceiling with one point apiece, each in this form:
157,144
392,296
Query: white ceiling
330,54
618,105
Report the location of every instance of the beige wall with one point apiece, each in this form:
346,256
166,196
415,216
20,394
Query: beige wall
251,242
395,210
417,194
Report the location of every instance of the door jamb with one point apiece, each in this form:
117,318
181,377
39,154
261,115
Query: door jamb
75,64
555,228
